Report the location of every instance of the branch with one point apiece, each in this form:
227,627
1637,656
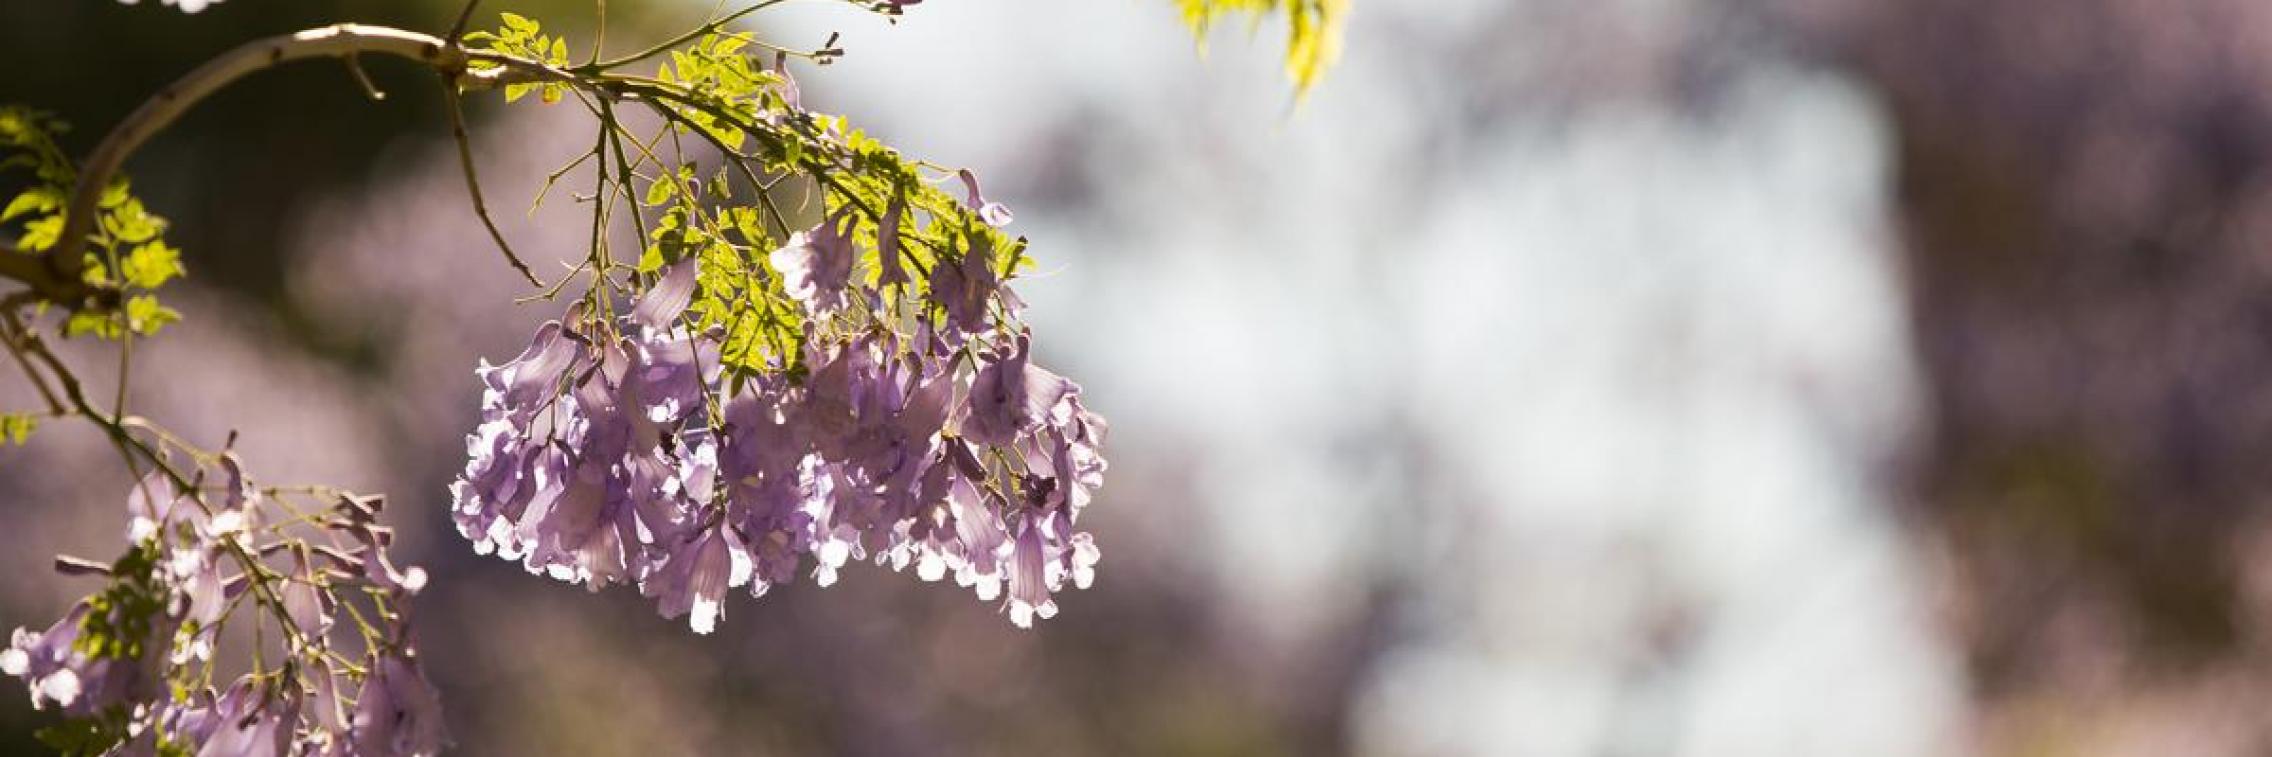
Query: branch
16,350
170,103
58,278
465,15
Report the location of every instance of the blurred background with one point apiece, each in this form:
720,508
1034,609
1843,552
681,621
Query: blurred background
1563,377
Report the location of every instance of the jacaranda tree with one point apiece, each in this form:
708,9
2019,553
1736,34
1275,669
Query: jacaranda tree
741,400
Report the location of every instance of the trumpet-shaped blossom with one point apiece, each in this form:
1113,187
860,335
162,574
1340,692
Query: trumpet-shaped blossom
397,712
250,719
817,265
62,672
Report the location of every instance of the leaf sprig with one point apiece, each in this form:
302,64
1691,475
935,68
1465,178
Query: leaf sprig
716,89
127,252
1313,33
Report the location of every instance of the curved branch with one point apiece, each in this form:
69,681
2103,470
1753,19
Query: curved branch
170,103
59,278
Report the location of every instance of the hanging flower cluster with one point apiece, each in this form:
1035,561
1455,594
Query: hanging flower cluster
132,666
749,397
907,426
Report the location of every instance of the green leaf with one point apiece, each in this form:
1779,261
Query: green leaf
121,619
115,194
16,428
96,272
41,233
720,186
131,223
36,199
1313,35
102,325
659,192
151,265
145,316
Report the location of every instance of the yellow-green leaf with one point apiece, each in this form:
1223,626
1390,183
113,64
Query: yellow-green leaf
41,233
36,199
1313,37
150,265
145,316
16,428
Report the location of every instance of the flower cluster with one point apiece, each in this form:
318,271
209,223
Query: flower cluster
906,429
131,666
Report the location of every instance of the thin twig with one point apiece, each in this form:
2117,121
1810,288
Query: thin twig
15,350
554,178
682,39
599,34
465,15
473,184
363,78
612,128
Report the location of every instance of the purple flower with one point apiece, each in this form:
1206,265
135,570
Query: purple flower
993,213
927,539
398,711
1029,577
816,265
157,509
524,385
1067,451
762,463
670,380
693,579
1011,396
984,540
250,719
46,661
889,270
672,293
1079,560
60,673
604,488
571,527
965,288
308,605
670,369
520,407
149,506
495,487
380,568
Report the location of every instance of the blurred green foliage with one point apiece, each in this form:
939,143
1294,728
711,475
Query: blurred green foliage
1313,30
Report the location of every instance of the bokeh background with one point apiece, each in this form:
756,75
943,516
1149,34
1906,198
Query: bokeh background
1562,377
